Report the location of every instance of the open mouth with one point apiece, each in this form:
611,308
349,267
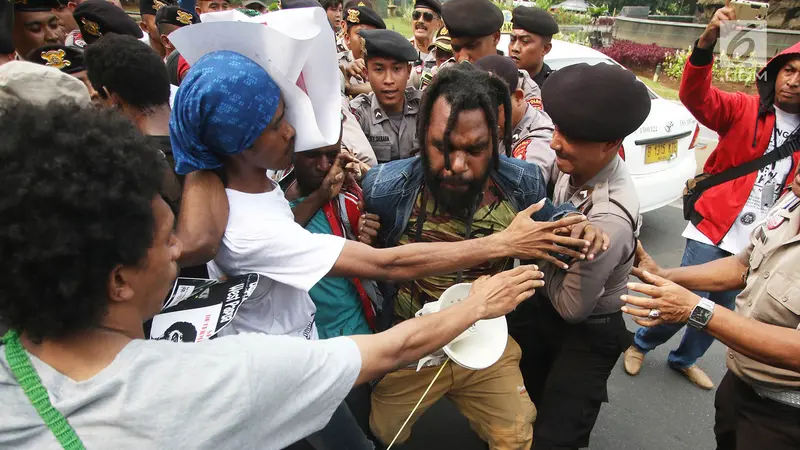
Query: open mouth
390,93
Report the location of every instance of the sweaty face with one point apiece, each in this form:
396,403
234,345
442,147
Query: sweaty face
212,6
36,29
472,49
787,87
273,148
354,41
335,17
580,158
388,79
426,23
152,280
528,50
312,166
457,185
65,18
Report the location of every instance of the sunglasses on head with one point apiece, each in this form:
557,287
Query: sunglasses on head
426,15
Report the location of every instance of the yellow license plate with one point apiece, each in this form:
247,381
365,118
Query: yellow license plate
654,153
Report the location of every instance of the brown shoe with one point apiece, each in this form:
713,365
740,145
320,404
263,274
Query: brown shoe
696,376
633,360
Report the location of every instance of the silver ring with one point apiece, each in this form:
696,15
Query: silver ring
654,314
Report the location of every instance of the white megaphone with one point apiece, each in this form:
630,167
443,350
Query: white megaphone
482,344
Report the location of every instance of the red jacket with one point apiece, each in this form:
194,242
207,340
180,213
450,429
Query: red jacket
744,123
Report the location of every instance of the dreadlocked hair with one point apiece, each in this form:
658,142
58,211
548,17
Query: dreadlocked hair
466,88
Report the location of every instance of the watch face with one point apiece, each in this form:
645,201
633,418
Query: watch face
702,315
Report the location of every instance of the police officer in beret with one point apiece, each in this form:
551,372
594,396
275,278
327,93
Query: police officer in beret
351,61
533,29
68,24
210,6
36,25
388,115
533,129
66,59
169,19
441,56
148,10
579,332
426,19
97,17
474,27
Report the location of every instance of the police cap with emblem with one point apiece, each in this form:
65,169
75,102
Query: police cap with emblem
364,15
66,59
98,17
442,41
35,5
433,5
388,44
534,20
174,15
471,18
579,97
152,6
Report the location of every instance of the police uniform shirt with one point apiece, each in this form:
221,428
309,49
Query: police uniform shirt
388,142
533,94
353,138
530,141
594,287
772,294
542,75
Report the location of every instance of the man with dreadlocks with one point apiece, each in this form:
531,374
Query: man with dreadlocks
459,188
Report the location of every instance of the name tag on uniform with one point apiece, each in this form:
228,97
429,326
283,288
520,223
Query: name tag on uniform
378,138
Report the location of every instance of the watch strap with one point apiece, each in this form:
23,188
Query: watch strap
698,320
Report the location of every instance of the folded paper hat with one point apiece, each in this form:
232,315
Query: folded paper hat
297,50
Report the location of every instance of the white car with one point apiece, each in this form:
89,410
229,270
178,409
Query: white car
660,154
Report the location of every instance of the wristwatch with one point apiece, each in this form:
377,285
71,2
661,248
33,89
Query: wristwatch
701,314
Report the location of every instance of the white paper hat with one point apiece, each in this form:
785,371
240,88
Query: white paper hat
298,50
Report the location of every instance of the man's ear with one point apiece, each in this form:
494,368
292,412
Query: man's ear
612,146
496,37
166,42
119,287
548,46
72,6
197,9
519,95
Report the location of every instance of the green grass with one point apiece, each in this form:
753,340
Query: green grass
663,91
399,24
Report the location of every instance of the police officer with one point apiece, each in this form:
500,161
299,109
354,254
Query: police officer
168,19
474,27
35,25
579,330
98,18
533,30
351,61
426,20
66,59
388,115
533,129
441,56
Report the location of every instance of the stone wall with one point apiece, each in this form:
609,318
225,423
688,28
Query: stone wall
783,14
683,35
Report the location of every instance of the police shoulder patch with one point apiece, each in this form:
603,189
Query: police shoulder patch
521,150
536,103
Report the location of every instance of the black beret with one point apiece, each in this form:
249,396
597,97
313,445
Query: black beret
364,15
152,6
471,18
579,98
66,59
430,4
388,44
35,5
534,20
174,15
98,17
502,67
292,4
348,4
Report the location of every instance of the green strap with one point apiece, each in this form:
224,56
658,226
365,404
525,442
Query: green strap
30,382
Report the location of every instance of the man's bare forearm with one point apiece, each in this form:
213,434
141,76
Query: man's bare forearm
202,218
769,344
413,339
413,261
716,276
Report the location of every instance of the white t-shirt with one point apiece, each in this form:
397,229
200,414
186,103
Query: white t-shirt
249,391
765,193
262,237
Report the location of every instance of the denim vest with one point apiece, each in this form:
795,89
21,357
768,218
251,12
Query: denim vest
391,189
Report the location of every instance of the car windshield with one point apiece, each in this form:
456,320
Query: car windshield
560,63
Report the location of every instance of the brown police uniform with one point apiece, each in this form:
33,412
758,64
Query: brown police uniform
758,405
389,141
531,142
533,94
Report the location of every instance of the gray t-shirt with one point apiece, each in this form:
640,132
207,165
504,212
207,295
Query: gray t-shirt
250,391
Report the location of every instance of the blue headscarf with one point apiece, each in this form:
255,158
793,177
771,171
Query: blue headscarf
224,103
